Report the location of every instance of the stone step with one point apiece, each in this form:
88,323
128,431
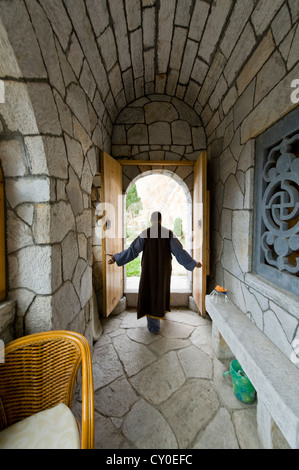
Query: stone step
177,299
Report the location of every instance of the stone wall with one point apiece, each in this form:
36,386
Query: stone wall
49,148
249,93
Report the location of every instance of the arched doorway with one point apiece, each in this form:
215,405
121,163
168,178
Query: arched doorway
166,192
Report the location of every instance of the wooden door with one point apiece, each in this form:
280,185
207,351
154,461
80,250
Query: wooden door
111,200
201,229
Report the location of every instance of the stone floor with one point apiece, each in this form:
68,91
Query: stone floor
166,391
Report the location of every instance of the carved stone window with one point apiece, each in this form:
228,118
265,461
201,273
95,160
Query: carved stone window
276,247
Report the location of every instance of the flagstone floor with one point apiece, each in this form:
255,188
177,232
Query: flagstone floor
166,391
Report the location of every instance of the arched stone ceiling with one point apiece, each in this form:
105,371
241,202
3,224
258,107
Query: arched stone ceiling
158,46
122,50
182,48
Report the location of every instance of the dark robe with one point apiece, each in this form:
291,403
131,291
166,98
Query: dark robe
154,287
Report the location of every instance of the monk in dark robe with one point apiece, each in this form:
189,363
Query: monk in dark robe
158,244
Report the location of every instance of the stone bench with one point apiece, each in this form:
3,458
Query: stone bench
274,376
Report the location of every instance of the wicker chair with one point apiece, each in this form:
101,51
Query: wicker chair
39,372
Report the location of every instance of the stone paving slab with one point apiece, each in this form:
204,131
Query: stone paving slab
166,391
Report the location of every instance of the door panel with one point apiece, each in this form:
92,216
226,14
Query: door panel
111,201
201,230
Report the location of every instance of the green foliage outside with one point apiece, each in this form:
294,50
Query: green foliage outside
133,202
178,229
134,267
133,207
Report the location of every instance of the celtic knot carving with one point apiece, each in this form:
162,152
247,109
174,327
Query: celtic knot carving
280,206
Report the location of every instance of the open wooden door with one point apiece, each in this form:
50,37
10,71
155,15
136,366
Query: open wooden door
201,230
111,200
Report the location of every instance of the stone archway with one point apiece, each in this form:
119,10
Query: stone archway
158,127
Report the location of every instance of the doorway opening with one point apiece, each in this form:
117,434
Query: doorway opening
164,191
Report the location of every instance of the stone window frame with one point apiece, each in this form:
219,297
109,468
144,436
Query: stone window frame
285,131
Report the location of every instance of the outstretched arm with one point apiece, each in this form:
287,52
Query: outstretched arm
129,254
182,256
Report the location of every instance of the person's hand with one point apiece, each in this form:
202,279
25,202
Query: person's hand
198,264
111,260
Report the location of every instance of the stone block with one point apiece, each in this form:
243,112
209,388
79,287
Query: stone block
179,39
27,190
256,61
44,34
17,109
131,115
44,107
240,15
8,62
159,111
35,276
213,28
75,155
65,306
120,30
228,165
281,24
266,79
20,234
159,133
148,26
75,55
233,197
39,315
188,61
293,55
12,158
23,39
62,221
265,114
70,253
87,81
108,48
138,135
263,14
165,29
198,19
244,104
56,157
181,133
240,54
76,99
114,77
242,238
137,53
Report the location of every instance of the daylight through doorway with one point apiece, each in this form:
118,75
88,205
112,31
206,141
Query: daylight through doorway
164,192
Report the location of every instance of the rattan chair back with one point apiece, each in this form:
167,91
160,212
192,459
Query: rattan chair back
39,371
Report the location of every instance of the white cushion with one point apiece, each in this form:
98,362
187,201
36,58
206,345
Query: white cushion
54,428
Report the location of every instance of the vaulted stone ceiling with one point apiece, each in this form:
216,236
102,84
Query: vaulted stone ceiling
175,47
121,50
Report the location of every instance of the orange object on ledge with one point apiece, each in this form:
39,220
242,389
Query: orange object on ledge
221,289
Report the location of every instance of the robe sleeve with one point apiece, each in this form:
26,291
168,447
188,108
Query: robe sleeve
130,253
181,255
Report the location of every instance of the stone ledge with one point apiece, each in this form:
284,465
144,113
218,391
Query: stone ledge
285,300
273,375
